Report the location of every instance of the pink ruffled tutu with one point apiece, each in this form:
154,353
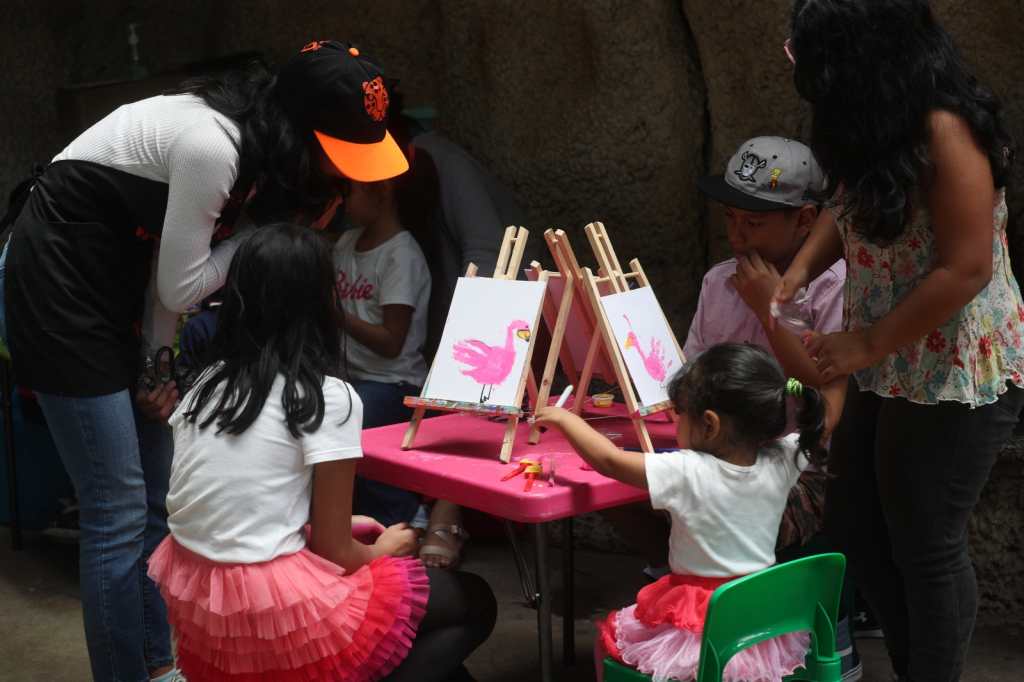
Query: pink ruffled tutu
660,635
297,617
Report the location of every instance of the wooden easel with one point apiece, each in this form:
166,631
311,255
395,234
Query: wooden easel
557,316
566,262
613,280
507,268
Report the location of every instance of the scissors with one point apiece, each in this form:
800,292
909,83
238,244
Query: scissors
161,369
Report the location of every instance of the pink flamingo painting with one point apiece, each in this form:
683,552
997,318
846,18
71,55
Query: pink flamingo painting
490,365
654,360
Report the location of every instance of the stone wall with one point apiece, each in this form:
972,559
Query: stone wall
590,110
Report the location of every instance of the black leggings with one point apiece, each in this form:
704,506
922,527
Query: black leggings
460,615
908,476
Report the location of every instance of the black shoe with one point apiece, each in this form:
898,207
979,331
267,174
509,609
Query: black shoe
865,625
851,668
65,526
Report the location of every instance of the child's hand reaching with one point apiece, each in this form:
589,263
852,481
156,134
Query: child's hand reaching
599,452
551,416
397,540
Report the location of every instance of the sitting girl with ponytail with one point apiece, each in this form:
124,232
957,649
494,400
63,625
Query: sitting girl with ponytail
725,492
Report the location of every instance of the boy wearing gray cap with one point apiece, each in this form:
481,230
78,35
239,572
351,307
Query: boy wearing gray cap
767,192
768,195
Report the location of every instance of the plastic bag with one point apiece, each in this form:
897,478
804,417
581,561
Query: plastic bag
794,315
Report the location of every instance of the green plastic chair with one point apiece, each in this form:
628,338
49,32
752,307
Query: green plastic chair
798,595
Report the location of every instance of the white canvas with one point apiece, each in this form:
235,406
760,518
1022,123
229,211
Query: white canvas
483,346
645,341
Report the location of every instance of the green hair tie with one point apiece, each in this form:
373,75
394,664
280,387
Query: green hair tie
794,388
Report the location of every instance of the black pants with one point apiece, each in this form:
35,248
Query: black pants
907,478
461,612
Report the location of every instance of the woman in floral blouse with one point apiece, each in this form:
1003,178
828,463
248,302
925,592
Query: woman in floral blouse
917,157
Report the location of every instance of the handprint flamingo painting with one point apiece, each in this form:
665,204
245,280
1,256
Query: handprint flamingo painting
483,354
490,365
654,360
645,341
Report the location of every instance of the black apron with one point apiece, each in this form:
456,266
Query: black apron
78,266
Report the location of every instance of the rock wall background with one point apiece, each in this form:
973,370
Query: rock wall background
590,110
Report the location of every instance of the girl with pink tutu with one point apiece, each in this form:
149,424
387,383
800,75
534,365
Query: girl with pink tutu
261,575
725,492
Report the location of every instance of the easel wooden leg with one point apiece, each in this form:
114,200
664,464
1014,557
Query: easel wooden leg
510,439
531,391
646,445
551,364
588,373
414,425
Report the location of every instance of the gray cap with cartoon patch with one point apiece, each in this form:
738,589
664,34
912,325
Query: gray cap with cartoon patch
766,174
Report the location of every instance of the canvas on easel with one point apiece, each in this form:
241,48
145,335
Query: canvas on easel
643,351
482,364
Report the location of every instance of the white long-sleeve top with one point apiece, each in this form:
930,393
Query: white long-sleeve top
178,140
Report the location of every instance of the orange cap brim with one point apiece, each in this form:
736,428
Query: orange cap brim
365,162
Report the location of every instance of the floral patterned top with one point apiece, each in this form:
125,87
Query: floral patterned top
968,359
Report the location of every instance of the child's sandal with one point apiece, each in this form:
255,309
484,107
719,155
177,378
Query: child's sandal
448,551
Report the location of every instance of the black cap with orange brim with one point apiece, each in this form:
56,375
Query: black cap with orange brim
340,94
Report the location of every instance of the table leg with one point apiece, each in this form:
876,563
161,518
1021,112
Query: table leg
7,387
568,592
544,603
525,577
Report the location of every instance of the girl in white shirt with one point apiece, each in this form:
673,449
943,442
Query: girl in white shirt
724,492
261,574
383,285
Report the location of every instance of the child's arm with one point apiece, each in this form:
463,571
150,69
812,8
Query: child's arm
834,393
824,246
386,339
597,450
331,521
961,197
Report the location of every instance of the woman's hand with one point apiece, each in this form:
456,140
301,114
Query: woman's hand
397,540
841,353
158,403
791,282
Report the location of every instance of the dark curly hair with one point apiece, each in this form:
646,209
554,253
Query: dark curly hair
872,71
278,319
278,156
746,384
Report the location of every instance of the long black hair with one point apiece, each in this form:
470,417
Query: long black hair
278,318
278,156
746,384
872,71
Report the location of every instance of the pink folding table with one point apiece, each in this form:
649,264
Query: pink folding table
456,459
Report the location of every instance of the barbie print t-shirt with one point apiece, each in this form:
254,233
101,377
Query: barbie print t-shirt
393,273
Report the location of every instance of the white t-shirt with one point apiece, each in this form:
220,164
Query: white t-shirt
725,518
245,498
393,273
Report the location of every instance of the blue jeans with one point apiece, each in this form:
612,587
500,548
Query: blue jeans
382,405
120,464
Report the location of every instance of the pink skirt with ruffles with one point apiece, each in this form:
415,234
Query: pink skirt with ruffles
296,617
660,635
